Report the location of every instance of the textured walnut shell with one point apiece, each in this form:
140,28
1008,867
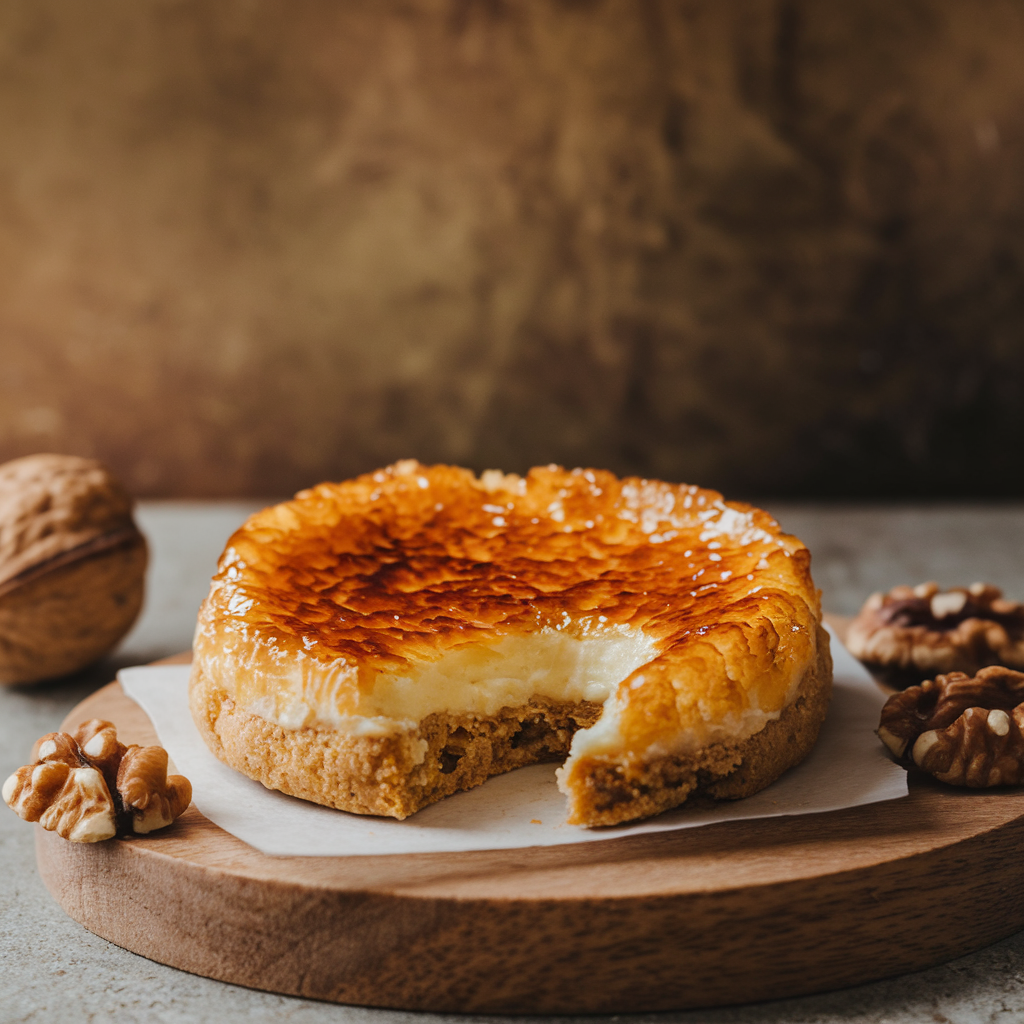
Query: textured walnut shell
72,566
963,730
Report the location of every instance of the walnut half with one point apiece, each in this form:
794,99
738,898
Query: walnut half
89,786
965,731
913,633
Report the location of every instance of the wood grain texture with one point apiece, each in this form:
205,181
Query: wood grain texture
731,913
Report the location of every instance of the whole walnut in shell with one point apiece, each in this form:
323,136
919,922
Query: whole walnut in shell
72,566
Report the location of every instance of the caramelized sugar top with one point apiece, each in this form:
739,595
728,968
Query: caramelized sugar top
413,561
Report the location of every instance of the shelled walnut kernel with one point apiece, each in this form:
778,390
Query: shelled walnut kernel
963,730
913,633
88,787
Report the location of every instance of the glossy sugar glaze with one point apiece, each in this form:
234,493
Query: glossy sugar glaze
376,575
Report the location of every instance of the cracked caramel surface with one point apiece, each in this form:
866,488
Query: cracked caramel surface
351,583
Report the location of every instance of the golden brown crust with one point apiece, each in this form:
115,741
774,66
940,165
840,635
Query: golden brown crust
421,560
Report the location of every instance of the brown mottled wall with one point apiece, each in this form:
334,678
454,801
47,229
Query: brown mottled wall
772,245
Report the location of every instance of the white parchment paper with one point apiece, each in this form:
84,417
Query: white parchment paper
848,767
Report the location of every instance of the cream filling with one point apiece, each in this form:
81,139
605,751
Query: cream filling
481,680
295,690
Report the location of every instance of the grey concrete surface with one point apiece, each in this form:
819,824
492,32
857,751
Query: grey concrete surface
52,969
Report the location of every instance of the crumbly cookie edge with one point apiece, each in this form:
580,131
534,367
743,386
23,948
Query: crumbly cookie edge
603,793
394,775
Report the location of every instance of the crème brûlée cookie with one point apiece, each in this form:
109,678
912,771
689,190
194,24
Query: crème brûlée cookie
379,644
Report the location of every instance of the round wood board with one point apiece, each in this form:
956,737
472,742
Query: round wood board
730,913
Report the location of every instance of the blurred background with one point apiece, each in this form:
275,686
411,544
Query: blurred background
771,246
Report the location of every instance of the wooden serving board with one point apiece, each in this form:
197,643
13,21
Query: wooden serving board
730,913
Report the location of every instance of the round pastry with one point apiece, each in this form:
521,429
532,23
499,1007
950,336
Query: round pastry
378,644
915,633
